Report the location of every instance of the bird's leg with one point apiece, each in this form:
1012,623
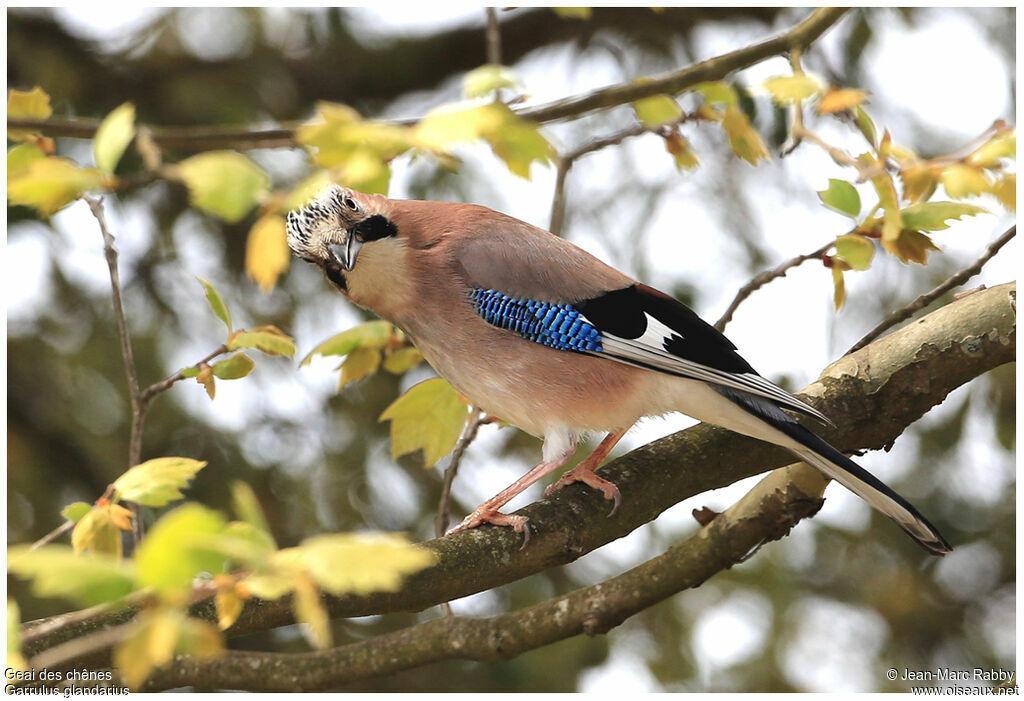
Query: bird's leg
584,472
488,511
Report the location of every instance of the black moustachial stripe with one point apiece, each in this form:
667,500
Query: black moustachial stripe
373,228
623,313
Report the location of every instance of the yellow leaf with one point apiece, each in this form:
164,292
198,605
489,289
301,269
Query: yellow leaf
229,606
839,288
247,507
121,517
21,157
223,183
361,563
307,190
115,132
840,100
310,612
55,570
402,360
429,417
267,339
486,79
932,216
152,642
360,363
789,89
1005,190
15,660
30,104
266,251
338,133
918,183
205,378
887,197
963,181
573,12
157,482
744,140
680,149
910,246
96,533
365,171
717,93
48,184
992,152
372,334
856,250
657,110
200,639
269,586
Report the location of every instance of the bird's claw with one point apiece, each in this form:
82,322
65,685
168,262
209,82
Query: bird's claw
520,524
588,477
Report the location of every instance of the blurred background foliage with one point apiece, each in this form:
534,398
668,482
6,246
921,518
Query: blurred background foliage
831,608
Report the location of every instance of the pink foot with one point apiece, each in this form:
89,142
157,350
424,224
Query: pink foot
480,516
584,473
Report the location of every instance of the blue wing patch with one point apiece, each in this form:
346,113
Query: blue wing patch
558,326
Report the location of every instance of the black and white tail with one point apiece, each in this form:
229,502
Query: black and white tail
819,454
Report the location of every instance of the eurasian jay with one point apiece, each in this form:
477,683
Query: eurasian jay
541,334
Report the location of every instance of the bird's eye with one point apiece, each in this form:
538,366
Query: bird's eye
350,203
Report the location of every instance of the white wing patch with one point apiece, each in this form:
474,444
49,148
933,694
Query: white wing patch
649,351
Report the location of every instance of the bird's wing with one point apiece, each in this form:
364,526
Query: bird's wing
551,292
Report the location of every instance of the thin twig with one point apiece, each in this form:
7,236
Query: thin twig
957,279
493,36
138,409
444,511
204,138
764,278
75,648
53,535
146,395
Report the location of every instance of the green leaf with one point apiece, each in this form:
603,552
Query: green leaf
242,543
237,366
217,303
267,339
842,197
932,216
429,417
115,132
360,363
657,110
856,250
362,563
787,90
372,334
963,181
340,136
48,184
744,140
173,552
307,190
21,157
223,183
402,360
717,93
887,197
157,482
74,512
55,570
96,532
865,124
486,79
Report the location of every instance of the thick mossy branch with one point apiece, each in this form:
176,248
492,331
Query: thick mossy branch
872,395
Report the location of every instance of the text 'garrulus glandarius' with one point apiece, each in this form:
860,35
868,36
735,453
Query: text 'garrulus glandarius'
541,334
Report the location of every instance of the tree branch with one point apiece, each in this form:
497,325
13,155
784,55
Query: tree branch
764,278
767,513
204,138
959,278
874,394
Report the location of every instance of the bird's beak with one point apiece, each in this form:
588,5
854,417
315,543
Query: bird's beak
345,254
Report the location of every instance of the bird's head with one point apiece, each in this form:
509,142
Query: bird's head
331,230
